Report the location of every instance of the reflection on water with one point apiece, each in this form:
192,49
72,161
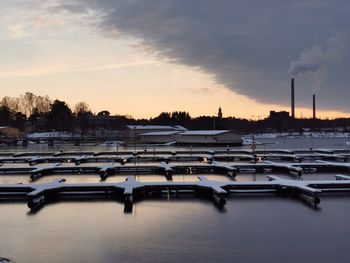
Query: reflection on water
264,229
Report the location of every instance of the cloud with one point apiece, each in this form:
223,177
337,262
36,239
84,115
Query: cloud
246,45
45,71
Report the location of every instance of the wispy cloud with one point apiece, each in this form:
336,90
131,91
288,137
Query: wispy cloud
45,71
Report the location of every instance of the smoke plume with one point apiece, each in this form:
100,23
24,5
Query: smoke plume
318,59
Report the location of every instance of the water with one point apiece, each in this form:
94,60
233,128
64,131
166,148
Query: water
188,228
264,229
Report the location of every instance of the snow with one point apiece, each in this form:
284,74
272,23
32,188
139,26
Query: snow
37,135
162,133
204,132
151,127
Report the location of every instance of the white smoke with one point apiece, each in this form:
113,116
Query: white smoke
318,59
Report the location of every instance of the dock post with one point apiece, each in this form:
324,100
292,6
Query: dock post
309,199
103,175
35,176
36,203
219,199
128,203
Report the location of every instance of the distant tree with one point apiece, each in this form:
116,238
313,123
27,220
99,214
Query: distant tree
28,103
104,113
42,104
82,108
60,116
13,104
19,120
5,116
82,112
163,118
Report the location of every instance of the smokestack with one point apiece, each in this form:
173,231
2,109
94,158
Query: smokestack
314,106
292,98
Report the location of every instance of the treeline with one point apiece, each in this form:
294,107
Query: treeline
270,124
30,112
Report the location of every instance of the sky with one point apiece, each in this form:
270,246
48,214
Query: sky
141,57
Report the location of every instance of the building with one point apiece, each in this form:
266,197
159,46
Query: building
214,137
278,115
204,137
9,133
159,137
280,120
134,131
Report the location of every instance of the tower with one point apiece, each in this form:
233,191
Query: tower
314,106
220,113
292,99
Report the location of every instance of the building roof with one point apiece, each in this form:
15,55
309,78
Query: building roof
204,132
37,135
150,127
155,127
162,133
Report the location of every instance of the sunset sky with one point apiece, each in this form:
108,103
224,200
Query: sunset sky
144,57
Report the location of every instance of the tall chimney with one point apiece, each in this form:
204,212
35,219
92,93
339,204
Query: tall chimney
292,98
314,106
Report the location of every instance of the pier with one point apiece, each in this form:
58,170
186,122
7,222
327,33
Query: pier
308,191
169,163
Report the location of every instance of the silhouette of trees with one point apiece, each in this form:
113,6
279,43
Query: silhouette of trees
60,117
31,112
42,104
5,116
181,117
13,104
175,118
28,103
81,109
82,113
19,120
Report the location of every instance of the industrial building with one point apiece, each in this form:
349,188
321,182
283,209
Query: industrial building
159,137
134,131
204,137
225,137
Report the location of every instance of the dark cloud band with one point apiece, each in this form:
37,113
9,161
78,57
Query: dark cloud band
247,45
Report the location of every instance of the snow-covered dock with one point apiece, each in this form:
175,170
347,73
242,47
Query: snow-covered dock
169,163
308,191
169,168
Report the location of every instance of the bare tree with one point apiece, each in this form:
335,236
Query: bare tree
43,104
11,103
28,103
82,108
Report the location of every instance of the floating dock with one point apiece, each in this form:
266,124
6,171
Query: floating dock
308,191
168,163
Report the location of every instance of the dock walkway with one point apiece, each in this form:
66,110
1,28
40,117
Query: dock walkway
308,191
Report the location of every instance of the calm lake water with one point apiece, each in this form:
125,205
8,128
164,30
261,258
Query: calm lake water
255,228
